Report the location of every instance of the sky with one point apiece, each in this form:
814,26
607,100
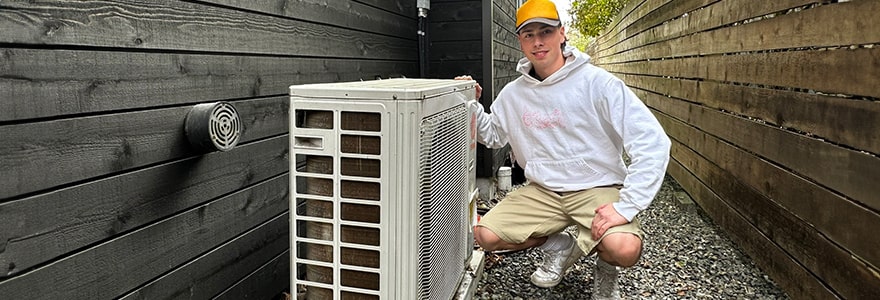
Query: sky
563,6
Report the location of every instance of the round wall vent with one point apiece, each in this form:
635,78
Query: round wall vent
213,126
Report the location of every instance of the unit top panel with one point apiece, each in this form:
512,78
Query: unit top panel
385,89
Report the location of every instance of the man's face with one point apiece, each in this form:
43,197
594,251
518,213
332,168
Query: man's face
541,44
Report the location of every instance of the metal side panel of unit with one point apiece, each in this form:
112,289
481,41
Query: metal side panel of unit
405,199
444,198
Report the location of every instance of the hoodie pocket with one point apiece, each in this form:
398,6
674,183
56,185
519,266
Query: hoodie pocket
557,173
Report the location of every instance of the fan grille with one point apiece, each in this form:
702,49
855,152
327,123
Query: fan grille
224,127
443,213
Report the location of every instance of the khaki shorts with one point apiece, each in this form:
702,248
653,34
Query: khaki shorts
533,211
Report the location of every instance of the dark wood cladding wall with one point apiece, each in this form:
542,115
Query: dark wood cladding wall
506,51
455,33
773,109
464,36
504,56
100,194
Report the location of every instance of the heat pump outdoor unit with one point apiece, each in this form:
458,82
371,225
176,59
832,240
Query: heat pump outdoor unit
383,188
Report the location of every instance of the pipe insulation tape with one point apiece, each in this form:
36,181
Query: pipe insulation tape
213,126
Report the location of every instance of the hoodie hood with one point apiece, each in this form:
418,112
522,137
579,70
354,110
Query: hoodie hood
574,58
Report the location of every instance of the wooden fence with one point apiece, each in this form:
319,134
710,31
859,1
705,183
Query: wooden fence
773,110
101,196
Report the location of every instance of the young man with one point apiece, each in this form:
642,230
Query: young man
568,123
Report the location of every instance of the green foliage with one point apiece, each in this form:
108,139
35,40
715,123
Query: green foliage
590,17
578,40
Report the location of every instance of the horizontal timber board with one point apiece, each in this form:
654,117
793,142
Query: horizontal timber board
454,31
609,36
622,15
505,69
671,11
504,34
505,9
622,30
840,71
37,83
450,69
455,50
265,283
797,282
847,275
508,54
820,27
341,13
505,23
849,122
723,13
88,213
81,148
400,7
221,267
181,26
119,265
851,173
455,11
816,205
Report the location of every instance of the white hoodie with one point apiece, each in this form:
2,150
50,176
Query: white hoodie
568,132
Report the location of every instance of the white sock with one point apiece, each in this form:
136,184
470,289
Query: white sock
605,265
557,242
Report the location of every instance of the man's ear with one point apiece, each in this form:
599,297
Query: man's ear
564,38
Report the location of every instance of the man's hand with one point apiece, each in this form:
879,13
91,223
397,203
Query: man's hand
606,217
468,77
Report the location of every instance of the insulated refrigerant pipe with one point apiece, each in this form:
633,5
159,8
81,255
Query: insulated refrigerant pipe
424,6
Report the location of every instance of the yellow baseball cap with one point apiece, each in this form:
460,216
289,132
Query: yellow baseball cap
532,11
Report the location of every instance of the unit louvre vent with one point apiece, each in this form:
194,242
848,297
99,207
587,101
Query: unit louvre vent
443,183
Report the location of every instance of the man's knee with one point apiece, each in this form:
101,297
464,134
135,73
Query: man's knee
487,239
625,248
629,254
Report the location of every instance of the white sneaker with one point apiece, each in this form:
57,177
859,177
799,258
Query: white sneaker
605,282
555,263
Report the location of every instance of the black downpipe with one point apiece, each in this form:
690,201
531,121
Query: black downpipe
424,42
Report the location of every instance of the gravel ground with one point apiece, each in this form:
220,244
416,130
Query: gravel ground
686,257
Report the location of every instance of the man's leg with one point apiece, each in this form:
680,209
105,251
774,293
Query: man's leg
620,246
490,241
620,249
531,217
559,251
522,220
